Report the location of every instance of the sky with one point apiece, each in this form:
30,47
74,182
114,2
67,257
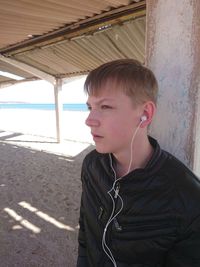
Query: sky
43,92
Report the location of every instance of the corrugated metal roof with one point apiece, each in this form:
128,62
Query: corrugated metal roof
71,54
83,54
19,20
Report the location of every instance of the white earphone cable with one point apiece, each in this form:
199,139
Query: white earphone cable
105,247
131,147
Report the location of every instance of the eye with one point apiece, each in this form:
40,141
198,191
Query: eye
89,107
106,107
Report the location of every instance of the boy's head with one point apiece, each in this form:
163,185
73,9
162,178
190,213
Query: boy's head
127,75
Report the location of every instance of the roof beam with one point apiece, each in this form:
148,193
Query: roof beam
36,72
12,82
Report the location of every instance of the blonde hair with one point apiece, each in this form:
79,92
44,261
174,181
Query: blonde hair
129,75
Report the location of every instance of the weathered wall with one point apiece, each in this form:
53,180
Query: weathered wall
173,53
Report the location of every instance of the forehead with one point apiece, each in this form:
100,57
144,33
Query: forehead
109,95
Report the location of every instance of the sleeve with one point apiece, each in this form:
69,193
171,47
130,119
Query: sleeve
82,257
186,252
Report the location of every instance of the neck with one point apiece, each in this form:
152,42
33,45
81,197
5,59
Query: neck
141,151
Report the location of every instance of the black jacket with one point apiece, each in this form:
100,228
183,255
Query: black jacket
159,224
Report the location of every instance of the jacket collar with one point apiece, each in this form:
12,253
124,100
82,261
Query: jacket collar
155,162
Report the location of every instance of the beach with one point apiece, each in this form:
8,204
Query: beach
40,187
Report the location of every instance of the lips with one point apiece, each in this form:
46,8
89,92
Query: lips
96,136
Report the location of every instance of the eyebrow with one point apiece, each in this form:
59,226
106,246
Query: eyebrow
98,102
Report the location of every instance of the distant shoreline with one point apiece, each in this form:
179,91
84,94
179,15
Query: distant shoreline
43,106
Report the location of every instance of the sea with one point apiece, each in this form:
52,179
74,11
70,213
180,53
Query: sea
44,106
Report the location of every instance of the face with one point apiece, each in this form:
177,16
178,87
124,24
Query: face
113,120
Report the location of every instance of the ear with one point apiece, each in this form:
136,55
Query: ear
149,109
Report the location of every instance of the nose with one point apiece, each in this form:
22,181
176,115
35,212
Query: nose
92,120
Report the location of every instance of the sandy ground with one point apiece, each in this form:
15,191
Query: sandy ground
40,187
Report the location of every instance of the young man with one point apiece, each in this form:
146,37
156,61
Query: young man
140,206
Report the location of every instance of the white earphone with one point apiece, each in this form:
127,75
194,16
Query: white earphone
143,118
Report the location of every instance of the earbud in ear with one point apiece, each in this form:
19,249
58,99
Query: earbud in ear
143,118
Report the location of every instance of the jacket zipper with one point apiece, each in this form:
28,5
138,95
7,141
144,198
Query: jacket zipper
117,226
147,227
116,223
101,210
117,191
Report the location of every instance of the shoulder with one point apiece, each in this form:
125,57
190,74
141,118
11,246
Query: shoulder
186,188
180,173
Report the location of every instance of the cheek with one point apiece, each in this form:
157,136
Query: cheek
122,128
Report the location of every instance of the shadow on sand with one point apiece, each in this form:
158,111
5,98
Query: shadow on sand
39,206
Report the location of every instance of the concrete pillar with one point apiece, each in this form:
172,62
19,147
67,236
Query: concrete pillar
58,109
173,53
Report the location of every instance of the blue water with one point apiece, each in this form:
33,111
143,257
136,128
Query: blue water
44,106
